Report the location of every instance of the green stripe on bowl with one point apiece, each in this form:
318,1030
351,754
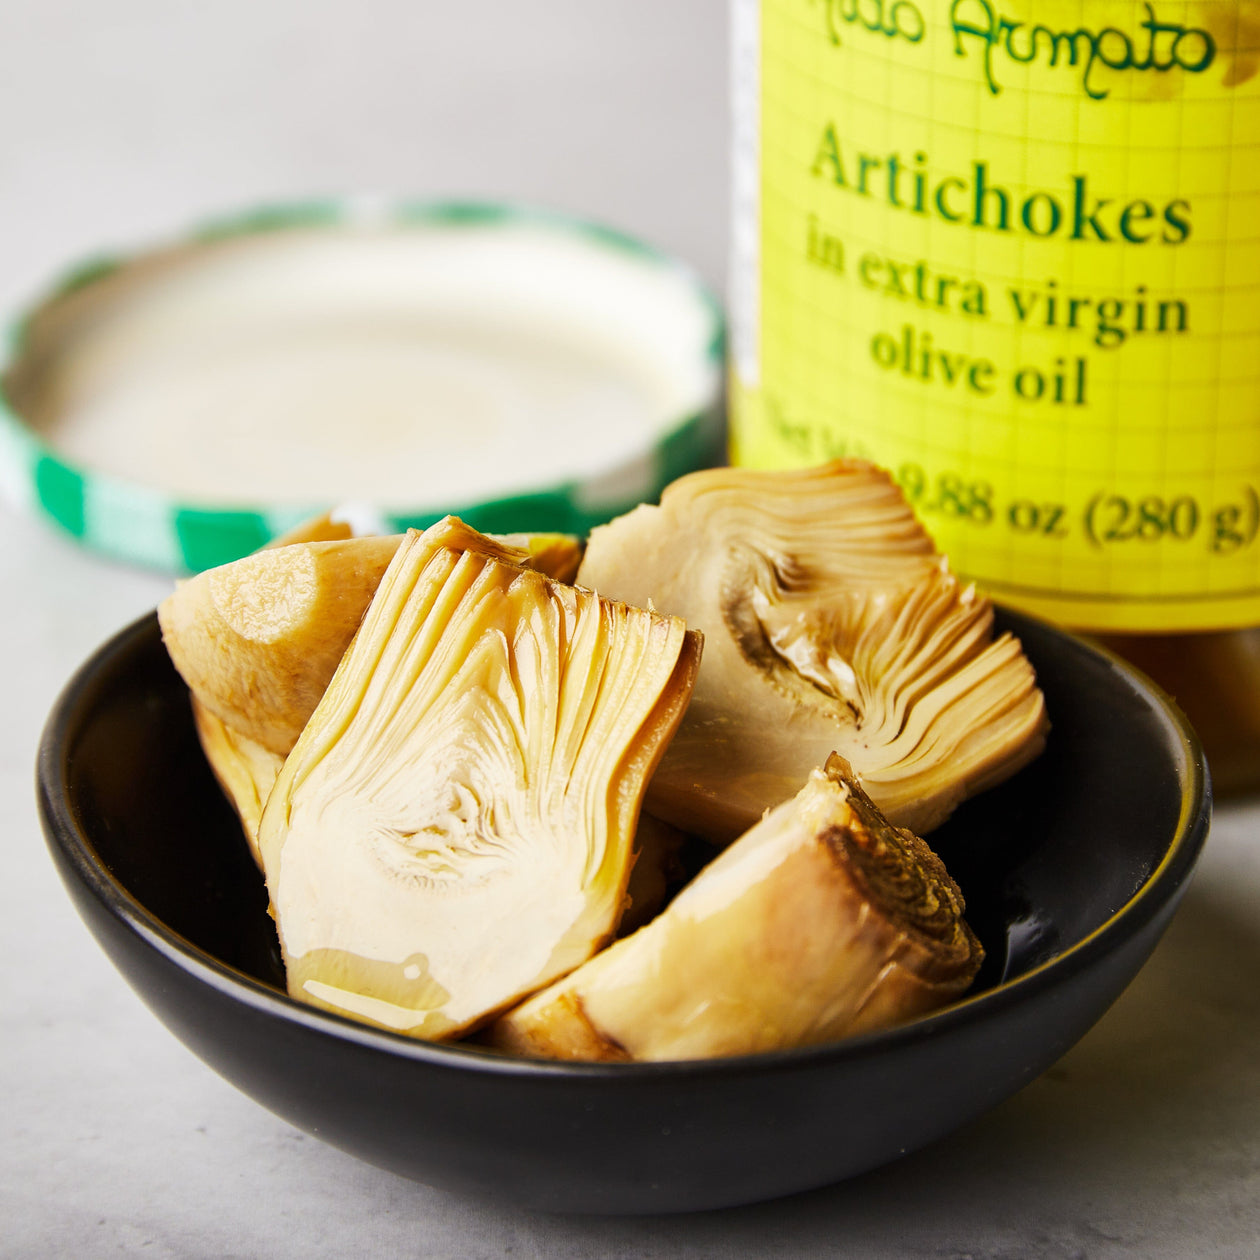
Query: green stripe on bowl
470,213
278,218
700,443
208,538
59,489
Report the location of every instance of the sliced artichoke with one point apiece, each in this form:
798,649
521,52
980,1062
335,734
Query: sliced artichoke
556,555
658,869
246,771
258,639
453,828
830,623
821,922
321,528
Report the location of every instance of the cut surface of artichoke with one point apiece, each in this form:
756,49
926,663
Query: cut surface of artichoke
454,827
245,770
257,640
830,623
821,922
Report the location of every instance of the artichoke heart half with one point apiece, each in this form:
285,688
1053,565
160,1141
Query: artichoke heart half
821,922
830,623
454,827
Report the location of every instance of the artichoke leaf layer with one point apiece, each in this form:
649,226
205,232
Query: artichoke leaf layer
454,827
821,922
245,770
831,624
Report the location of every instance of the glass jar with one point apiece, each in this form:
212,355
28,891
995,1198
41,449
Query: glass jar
1010,250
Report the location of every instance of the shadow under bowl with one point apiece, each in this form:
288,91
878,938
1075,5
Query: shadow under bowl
1071,871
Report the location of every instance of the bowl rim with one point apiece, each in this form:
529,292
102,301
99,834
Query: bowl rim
1166,880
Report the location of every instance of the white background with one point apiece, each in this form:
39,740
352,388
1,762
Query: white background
124,119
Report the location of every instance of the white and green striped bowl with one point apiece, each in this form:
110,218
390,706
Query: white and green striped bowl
152,524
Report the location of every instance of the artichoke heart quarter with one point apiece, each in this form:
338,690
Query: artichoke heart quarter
821,922
831,624
454,827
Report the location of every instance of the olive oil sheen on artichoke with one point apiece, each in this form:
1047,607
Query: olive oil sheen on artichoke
1011,250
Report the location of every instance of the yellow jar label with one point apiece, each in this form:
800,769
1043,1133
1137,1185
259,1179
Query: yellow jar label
1011,250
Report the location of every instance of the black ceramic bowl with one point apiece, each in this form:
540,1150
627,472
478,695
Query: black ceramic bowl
1071,871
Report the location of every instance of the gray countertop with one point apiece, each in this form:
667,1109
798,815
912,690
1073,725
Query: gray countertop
124,121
